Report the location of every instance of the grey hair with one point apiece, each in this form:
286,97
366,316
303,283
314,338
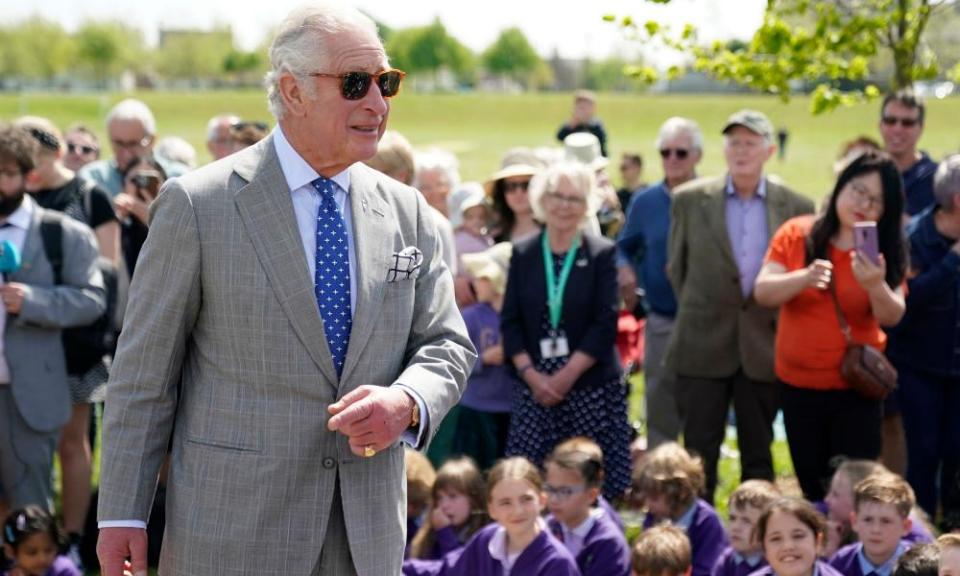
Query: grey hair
177,149
437,160
214,124
300,45
133,109
579,175
675,126
946,182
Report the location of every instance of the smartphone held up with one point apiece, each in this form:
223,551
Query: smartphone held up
865,241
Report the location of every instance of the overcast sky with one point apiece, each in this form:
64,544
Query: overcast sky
574,28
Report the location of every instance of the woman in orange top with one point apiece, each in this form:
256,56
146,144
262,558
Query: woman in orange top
823,416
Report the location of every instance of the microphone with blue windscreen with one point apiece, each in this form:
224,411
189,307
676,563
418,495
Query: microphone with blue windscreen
9,259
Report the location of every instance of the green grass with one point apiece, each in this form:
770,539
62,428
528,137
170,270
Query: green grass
480,127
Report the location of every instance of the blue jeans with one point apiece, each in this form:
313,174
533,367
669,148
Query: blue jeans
930,405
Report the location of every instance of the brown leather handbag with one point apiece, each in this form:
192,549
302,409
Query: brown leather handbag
864,367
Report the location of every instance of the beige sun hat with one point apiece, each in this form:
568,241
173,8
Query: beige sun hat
506,172
492,264
584,147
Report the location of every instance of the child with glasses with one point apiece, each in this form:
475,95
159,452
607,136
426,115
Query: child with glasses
574,478
669,479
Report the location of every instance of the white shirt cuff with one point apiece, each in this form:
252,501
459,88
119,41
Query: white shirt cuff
416,440
122,524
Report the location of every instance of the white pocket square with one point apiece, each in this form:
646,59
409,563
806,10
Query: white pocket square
405,264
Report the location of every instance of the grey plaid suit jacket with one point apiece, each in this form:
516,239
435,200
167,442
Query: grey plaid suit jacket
223,348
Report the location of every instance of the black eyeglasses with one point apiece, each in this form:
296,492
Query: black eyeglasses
354,85
80,148
905,122
680,153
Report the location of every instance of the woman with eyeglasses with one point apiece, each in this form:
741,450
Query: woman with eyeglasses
508,191
814,273
142,179
559,324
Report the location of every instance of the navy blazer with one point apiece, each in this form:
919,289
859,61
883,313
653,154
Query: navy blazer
590,304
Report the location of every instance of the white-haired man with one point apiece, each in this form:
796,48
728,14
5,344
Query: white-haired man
132,130
289,322
219,142
643,254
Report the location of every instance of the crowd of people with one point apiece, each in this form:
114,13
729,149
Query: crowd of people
750,297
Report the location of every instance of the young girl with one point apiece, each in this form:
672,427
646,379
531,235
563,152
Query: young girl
838,505
517,542
459,510
33,544
669,480
791,531
574,479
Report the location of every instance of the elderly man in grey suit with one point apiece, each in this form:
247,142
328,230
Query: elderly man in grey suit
721,348
290,320
34,393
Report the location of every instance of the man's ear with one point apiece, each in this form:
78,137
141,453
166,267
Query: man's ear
293,96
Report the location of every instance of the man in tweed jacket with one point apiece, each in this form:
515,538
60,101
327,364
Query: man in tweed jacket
285,459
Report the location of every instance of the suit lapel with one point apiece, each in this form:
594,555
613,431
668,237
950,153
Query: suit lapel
776,208
266,209
714,203
373,244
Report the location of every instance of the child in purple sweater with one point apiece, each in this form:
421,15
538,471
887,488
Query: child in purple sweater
791,530
661,551
574,479
33,544
881,519
517,544
458,511
745,554
669,479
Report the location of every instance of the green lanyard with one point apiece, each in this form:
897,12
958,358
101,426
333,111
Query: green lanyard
555,288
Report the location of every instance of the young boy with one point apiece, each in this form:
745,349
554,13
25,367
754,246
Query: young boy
920,560
881,518
949,545
744,555
661,551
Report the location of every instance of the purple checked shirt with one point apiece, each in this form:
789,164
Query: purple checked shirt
747,229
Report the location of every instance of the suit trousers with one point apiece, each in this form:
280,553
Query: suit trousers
704,404
26,457
823,425
335,557
659,384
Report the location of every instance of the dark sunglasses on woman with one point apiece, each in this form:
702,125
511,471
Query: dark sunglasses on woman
354,85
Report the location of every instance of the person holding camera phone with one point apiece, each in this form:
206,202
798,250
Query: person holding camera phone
142,179
811,261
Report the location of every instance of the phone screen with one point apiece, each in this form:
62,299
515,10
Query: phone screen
865,240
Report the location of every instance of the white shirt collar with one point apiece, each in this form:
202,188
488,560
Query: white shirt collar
761,187
584,528
498,546
295,169
22,216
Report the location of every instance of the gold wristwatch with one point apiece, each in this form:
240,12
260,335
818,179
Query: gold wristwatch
415,414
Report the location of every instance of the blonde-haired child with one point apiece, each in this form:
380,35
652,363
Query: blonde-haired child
744,555
669,480
661,551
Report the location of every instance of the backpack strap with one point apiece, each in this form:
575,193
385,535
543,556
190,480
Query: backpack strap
51,231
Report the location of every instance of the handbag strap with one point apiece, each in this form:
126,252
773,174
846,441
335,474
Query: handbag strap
844,327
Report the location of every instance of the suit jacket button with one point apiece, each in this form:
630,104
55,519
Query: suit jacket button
329,463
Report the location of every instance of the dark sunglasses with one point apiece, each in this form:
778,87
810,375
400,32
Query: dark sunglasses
905,122
511,186
680,153
244,124
354,85
80,148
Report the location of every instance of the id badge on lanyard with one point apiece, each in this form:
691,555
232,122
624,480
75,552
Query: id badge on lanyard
556,345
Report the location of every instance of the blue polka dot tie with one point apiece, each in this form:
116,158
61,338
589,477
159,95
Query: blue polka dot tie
332,278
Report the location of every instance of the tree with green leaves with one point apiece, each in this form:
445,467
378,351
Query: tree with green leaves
512,55
107,48
427,49
828,44
194,54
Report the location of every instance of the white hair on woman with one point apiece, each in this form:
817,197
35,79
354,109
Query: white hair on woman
133,109
300,46
437,160
582,178
676,126
176,149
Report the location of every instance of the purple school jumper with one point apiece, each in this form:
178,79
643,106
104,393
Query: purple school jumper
545,556
705,531
614,516
62,566
847,559
605,550
730,565
820,568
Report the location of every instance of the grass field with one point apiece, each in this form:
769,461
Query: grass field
480,127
